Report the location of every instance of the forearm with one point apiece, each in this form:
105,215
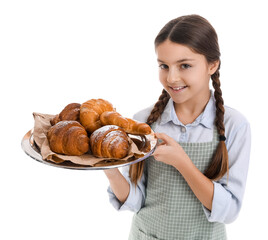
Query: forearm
202,187
118,184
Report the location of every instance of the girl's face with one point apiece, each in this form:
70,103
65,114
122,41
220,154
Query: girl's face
183,73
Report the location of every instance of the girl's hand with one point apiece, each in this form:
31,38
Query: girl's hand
169,151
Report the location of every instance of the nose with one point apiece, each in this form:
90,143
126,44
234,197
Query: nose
173,75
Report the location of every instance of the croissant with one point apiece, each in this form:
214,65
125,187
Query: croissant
129,125
69,138
70,112
109,142
90,112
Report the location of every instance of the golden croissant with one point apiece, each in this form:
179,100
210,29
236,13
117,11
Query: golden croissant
69,138
129,125
70,112
109,142
90,112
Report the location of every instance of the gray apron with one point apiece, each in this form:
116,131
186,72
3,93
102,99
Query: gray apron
171,209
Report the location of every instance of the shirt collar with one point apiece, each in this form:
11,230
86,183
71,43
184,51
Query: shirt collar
206,118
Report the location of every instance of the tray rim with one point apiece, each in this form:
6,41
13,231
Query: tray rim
27,146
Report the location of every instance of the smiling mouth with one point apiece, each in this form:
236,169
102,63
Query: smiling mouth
177,89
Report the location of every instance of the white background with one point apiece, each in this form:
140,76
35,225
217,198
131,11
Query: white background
56,52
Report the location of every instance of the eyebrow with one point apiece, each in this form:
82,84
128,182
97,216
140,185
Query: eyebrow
179,61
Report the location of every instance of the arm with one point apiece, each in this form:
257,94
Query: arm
118,184
228,195
172,153
222,201
201,186
132,199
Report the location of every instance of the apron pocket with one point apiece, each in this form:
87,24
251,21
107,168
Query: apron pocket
144,236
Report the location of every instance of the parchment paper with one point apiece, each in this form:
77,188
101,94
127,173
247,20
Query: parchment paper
42,125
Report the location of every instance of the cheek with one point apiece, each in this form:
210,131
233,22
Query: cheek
203,71
197,75
162,77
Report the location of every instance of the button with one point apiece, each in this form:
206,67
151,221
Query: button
183,129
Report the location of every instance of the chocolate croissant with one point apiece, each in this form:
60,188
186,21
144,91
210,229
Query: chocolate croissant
90,112
129,125
109,142
70,112
69,138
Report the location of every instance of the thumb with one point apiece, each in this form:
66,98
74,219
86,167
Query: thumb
165,138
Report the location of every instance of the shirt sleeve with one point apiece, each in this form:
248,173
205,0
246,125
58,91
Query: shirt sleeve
228,194
136,197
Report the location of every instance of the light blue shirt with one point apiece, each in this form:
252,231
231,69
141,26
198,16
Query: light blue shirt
227,197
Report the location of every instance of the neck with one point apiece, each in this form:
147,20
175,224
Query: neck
188,111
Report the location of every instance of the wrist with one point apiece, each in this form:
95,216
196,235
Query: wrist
182,162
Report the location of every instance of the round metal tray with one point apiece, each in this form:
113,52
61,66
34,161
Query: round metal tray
32,150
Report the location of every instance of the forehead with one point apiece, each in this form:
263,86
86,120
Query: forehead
172,52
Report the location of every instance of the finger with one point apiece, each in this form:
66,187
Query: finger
155,154
167,139
158,150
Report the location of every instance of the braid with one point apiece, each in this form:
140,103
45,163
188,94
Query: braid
219,164
158,108
136,170
219,103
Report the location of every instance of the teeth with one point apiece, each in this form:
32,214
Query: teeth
178,88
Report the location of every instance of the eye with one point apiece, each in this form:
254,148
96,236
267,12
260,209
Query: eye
163,66
185,66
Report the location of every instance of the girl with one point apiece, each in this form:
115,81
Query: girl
195,181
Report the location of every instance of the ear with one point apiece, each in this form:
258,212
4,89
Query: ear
212,67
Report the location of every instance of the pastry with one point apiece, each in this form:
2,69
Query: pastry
70,112
129,125
109,142
90,112
69,138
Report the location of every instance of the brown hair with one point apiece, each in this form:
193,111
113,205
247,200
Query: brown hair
196,33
